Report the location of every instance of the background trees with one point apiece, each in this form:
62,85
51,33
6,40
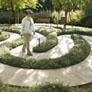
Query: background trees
67,6
14,9
14,6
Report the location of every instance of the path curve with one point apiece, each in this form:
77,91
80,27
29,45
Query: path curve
75,75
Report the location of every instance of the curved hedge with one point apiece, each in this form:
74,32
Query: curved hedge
77,54
48,44
81,31
4,36
48,87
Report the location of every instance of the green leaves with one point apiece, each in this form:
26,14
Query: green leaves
18,4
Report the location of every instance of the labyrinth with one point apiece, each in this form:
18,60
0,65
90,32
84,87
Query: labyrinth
53,48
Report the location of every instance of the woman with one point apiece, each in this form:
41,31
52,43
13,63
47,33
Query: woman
27,31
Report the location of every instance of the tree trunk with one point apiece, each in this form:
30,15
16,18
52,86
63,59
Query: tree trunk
65,23
15,16
9,17
18,16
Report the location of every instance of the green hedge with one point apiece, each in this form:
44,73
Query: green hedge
12,44
4,36
48,87
81,31
48,44
86,21
10,30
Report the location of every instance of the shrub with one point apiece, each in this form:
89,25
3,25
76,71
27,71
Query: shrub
86,21
55,17
48,87
50,42
4,36
45,31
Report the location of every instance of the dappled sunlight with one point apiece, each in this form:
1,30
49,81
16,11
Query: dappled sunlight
90,63
36,76
67,71
1,68
64,46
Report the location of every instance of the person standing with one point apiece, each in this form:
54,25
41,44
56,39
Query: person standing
27,31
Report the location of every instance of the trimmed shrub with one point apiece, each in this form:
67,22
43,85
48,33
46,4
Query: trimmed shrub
48,87
86,21
4,36
50,42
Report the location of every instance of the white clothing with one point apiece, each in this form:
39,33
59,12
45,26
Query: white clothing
27,25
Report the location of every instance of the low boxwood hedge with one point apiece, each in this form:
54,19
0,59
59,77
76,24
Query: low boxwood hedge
11,30
45,31
4,36
80,31
48,44
48,87
12,44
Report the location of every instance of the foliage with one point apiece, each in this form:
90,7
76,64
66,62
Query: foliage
18,4
4,36
14,6
45,5
67,6
48,87
87,7
50,42
45,31
86,21
55,17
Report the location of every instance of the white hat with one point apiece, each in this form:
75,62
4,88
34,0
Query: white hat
29,11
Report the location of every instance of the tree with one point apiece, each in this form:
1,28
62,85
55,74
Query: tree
87,7
16,5
45,5
67,6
